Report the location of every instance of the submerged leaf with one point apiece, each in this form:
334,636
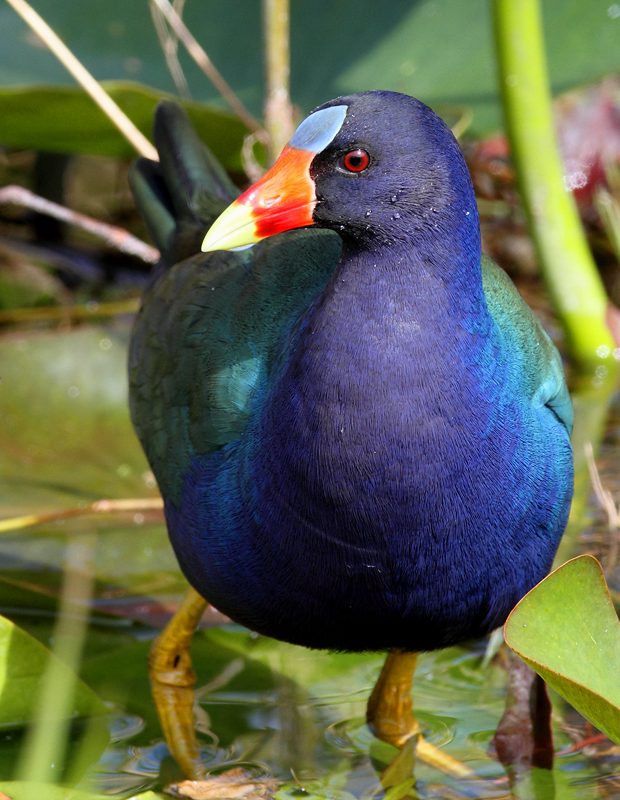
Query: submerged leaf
567,630
234,784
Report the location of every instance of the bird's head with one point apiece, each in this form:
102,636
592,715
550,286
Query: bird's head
376,166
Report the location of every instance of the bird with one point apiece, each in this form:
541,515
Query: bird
360,430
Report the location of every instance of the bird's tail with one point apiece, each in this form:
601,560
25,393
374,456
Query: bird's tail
180,196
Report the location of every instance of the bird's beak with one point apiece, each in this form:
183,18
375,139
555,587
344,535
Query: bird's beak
282,199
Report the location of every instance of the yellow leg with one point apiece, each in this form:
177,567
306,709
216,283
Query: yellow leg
172,683
390,711
390,714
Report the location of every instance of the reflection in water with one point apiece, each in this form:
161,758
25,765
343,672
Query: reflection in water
299,716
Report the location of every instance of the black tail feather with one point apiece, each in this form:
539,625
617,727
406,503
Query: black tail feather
180,197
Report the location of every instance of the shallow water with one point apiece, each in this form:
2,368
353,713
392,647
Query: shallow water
276,709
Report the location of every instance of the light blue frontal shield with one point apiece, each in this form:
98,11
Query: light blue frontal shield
319,129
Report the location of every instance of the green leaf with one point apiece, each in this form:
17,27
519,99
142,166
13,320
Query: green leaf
23,662
26,790
567,630
65,120
438,50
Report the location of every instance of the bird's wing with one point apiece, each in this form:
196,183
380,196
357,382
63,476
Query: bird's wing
532,350
212,326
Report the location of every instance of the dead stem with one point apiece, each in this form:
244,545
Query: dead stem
98,507
609,507
169,42
111,234
207,66
85,79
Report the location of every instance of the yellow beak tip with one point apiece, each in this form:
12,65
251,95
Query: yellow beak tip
235,227
208,246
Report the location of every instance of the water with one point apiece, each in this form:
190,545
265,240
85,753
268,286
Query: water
278,710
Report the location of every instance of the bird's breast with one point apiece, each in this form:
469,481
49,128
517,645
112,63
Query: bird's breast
377,401
394,472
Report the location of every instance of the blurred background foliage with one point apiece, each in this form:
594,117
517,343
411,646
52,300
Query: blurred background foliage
66,305
438,50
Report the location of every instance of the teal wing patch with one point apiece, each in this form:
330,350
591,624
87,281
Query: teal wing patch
205,341
543,375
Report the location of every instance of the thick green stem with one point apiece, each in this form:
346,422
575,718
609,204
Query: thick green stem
566,262
278,109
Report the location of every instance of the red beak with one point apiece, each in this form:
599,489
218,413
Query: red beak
282,199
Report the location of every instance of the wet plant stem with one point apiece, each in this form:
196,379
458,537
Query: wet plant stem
278,108
565,259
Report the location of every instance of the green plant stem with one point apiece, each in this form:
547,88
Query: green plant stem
566,262
278,109
46,743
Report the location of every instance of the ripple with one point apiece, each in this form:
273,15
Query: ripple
313,790
124,726
354,736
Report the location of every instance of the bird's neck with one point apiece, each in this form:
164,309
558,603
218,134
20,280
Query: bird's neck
404,289
379,361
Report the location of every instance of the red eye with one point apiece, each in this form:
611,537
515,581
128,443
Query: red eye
356,160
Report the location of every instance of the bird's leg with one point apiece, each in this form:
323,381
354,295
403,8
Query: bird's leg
389,714
172,683
390,711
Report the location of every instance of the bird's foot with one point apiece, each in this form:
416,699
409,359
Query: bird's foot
172,684
390,715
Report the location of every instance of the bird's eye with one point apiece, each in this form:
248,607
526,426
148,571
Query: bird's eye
355,160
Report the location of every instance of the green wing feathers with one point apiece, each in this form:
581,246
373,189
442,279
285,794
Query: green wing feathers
211,325
180,196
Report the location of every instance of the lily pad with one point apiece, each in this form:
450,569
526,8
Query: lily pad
567,630
65,432
27,790
23,662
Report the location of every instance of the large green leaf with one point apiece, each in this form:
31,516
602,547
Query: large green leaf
567,630
23,662
438,50
64,119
